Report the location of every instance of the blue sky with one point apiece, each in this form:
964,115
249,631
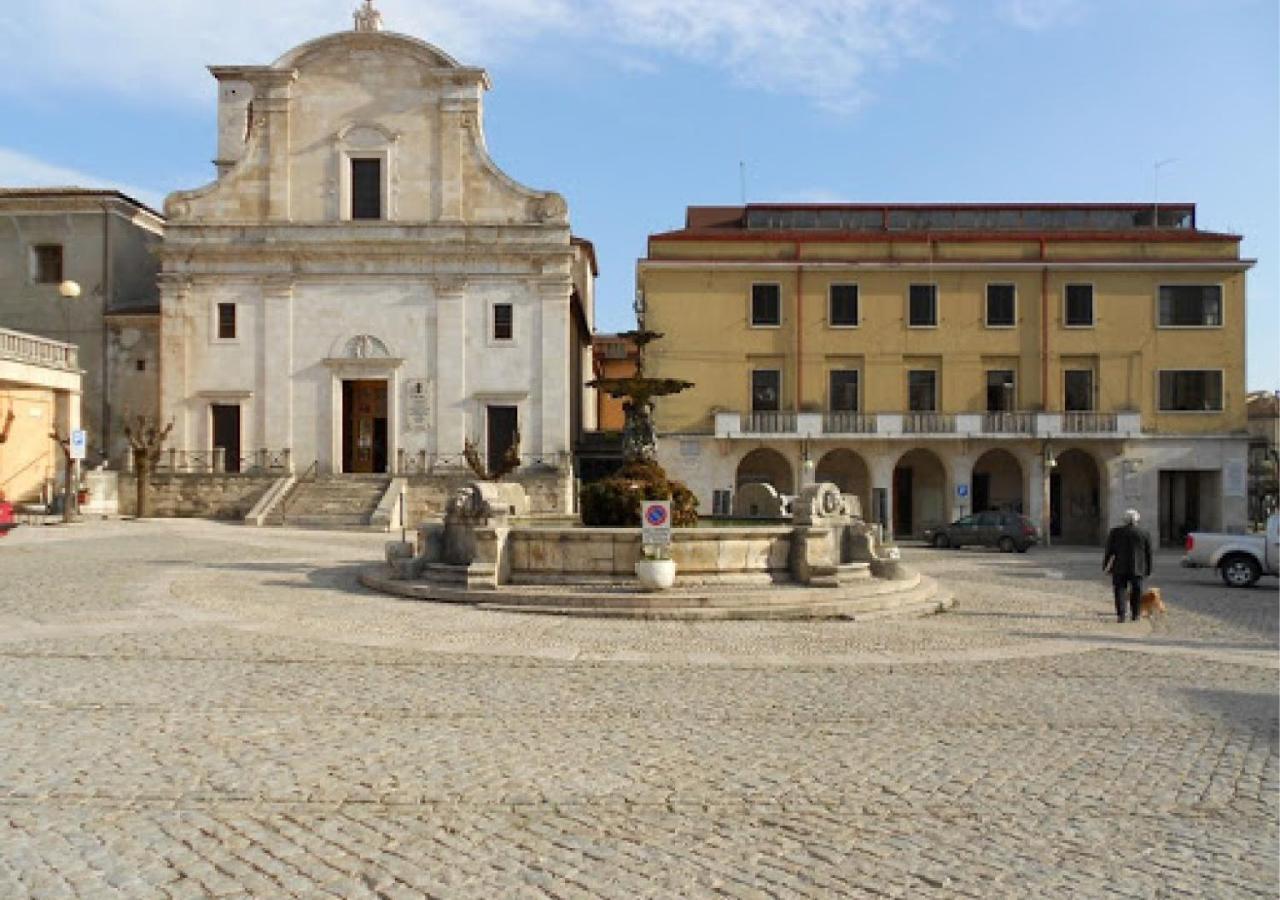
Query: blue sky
634,109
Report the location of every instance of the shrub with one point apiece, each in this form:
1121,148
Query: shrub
614,502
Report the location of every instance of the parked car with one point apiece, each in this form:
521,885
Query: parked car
1241,559
1008,531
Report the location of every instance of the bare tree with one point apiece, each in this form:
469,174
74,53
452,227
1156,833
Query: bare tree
146,438
509,463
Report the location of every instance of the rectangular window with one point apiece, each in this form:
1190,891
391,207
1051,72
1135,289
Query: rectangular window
1000,306
1191,391
1001,395
1079,311
226,321
721,502
503,322
766,390
923,312
47,263
366,189
1078,390
1190,306
766,305
922,390
844,305
844,390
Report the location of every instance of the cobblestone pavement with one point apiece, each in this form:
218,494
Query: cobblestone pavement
191,709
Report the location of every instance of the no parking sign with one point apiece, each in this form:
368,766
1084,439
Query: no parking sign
655,522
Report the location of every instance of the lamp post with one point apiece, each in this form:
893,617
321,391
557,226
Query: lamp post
1050,462
69,291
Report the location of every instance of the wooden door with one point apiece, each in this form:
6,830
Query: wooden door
364,430
226,432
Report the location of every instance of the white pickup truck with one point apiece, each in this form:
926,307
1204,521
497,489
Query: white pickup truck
1241,558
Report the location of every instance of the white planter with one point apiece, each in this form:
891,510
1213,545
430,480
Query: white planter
656,574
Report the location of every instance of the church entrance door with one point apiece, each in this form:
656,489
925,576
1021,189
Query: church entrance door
364,426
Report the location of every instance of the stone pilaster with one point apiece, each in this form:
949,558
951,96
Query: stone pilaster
553,363
175,334
450,364
275,390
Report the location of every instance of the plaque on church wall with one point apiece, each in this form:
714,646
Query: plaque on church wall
417,405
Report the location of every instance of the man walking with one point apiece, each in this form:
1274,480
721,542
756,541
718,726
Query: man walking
1128,559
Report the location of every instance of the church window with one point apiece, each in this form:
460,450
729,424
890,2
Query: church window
503,324
366,189
226,321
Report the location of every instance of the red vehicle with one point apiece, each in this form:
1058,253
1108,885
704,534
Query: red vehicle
6,517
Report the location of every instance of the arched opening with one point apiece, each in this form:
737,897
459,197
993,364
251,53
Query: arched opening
763,479
998,483
848,471
1075,499
919,493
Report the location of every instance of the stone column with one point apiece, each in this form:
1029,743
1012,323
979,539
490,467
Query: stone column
271,112
882,466
275,389
449,411
961,472
175,299
456,114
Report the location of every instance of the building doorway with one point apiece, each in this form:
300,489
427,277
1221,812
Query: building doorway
503,431
225,421
919,493
364,426
1190,500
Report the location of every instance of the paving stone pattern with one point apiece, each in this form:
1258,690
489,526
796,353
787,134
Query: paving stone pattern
191,709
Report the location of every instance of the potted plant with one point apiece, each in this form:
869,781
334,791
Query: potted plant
655,568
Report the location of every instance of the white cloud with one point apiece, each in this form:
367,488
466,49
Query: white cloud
1039,15
20,170
148,50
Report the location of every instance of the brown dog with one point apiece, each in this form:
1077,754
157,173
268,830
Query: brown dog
1150,603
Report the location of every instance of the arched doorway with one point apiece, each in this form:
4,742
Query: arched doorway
762,485
919,493
848,471
998,483
1075,499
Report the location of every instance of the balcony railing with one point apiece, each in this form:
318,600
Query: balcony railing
215,461
38,351
1088,422
848,423
1009,423
928,423
770,423
790,424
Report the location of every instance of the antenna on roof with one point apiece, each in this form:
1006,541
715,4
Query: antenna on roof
1155,197
742,180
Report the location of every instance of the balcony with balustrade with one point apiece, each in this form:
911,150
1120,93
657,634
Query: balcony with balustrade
917,425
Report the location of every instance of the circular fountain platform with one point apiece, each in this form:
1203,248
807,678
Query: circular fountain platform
865,599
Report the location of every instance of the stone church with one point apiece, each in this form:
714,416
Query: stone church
361,289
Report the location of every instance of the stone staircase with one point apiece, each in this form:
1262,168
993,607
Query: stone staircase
332,501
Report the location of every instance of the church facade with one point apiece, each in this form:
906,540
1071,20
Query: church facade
361,289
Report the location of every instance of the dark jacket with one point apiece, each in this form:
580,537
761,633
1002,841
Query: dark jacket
1128,551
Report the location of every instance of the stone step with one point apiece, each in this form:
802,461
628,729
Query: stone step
338,502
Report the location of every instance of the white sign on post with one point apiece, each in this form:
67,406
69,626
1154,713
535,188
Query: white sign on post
655,523
78,443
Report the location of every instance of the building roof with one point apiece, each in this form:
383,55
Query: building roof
961,221
73,191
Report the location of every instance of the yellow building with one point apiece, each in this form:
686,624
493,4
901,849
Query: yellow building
1065,361
39,396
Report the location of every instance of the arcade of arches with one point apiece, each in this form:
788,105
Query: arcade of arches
922,488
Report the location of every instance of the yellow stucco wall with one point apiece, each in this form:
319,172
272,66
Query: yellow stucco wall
27,457
703,307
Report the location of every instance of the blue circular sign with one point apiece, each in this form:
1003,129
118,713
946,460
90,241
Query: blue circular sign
656,516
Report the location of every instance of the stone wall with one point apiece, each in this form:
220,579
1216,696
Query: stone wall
550,494
196,496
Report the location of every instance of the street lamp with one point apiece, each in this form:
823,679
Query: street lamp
69,291
1046,514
